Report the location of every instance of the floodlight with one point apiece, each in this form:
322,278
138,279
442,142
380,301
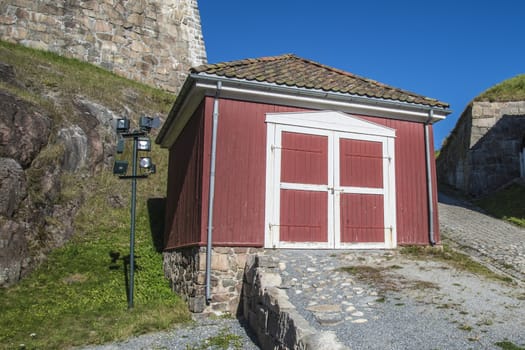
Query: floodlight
122,125
120,167
147,123
144,144
145,162
120,145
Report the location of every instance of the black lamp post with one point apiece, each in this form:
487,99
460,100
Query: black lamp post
141,143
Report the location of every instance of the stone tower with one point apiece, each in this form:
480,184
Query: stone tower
152,41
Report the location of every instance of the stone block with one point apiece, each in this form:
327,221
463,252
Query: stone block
220,262
197,304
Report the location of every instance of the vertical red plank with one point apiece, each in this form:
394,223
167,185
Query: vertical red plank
361,163
304,158
240,174
184,190
304,216
362,218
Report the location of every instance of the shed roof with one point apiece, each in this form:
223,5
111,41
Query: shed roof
293,71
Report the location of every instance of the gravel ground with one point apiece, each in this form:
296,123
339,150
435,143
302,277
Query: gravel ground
410,304
202,334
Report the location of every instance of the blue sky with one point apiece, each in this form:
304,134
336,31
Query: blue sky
451,50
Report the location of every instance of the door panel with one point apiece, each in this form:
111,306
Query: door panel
361,163
304,216
362,218
304,158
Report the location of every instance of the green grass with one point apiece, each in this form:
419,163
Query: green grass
78,295
507,204
43,73
507,345
509,90
224,341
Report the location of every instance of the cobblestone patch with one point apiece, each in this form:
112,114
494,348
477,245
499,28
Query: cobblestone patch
494,242
386,300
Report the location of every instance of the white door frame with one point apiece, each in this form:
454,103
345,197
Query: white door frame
334,125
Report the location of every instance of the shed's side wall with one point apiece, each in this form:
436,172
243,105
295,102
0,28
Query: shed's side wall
183,203
240,183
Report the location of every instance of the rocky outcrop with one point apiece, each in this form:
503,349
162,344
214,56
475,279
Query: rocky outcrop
24,130
482,152
153,41
36,151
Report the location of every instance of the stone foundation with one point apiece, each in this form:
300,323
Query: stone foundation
186,270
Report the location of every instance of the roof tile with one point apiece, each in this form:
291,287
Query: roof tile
291,70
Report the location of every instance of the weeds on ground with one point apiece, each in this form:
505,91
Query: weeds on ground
223,340
507,345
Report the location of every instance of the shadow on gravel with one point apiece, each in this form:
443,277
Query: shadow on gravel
448,199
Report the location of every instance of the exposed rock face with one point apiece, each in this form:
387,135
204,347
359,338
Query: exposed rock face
153,41
23,129
12,186
482,152
36,150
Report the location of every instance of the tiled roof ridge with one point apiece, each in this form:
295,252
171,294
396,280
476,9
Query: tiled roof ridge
242,62
225,69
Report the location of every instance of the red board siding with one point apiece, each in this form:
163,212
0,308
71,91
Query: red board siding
304,158
362,218
240,182
361,163
304,216
411,186
184,185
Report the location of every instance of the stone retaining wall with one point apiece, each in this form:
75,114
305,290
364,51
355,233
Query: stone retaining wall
152,41
482,152
272,317
186,270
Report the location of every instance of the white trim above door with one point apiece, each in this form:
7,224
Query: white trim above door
335,126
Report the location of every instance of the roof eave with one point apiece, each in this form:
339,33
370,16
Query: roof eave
300,96
198,85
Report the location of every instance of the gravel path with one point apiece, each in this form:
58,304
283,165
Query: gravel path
203,334
386,300
492,241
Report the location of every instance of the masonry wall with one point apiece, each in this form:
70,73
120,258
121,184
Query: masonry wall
482,152
186,270
152,41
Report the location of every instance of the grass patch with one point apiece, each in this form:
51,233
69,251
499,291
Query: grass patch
465,327
509,90
380,279
78,296
223,341
507,345
507,204
456,259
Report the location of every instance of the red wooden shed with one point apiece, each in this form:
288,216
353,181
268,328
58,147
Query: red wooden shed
284,152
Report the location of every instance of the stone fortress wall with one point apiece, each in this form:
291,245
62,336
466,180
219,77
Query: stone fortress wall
152,41
482,152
